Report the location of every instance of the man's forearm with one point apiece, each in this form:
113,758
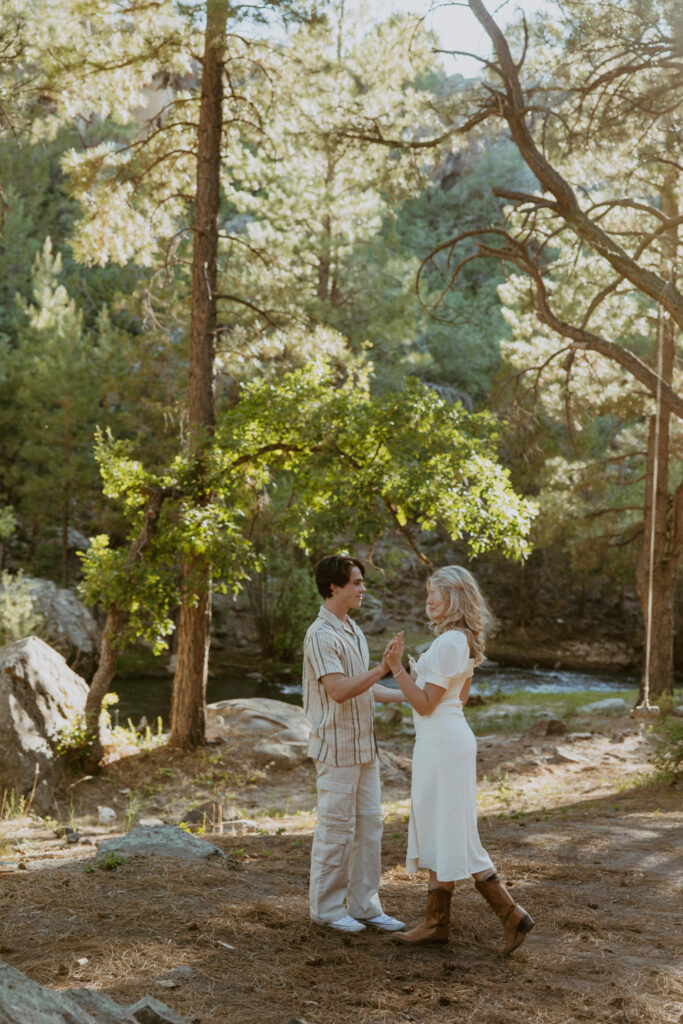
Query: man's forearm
341,688
386,694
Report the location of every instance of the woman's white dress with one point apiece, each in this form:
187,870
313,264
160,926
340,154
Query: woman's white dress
442,834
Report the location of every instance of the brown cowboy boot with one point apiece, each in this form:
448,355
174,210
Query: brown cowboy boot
516,922
434,930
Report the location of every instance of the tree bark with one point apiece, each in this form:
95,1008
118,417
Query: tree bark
110,641
189,683
661,553
99,686
513,108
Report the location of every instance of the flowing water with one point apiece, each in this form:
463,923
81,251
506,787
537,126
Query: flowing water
151,697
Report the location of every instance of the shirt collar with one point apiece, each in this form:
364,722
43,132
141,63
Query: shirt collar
335,621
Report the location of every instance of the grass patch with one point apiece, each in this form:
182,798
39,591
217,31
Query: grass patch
516,712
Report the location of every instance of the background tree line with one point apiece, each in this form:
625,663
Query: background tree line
198,207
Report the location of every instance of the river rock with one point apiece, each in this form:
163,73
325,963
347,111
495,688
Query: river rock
609,704
280,731
162,841
23,1001
40,696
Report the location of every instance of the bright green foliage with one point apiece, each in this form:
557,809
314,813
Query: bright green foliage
348,462
380,459
306,203
18,617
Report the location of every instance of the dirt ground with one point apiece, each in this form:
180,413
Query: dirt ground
592,853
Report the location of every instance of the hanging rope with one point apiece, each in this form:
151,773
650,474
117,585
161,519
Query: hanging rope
646,710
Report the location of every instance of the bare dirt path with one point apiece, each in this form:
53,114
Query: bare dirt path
595,857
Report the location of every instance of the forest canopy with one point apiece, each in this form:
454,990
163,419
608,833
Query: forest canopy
280,278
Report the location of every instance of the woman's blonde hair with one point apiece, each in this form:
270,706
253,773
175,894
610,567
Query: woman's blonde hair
464,607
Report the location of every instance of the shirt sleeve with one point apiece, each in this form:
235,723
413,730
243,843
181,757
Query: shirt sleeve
324,655
447,657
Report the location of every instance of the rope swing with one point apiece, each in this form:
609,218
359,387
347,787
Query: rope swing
645,710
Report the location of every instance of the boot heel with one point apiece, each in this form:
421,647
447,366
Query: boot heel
526,924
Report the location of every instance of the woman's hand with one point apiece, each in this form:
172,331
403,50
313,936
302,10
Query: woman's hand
393,654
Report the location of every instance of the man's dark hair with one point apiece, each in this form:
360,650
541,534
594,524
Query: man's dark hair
335,569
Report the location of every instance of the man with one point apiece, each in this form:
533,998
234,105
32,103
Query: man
339,699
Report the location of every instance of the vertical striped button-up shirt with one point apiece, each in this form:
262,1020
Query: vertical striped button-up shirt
342,734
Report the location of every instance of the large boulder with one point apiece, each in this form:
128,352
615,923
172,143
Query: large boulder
40,697
69,625
23,1001
279,732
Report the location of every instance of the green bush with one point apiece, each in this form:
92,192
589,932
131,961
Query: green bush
18,617
668,756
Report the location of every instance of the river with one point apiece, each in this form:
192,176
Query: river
151,697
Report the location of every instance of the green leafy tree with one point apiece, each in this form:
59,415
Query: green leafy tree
349,462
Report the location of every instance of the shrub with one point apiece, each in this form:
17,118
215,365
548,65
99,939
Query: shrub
668,756
18,617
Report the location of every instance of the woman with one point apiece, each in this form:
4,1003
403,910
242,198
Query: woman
443,834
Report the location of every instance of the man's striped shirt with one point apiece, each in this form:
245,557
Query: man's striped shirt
342,734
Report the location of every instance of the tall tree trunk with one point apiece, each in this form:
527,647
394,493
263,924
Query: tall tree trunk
661,552
189,683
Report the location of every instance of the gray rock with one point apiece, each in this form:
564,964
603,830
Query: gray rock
149,1010
548,726
373,618
281,756
23,1001
242,826
609,704
242,711
162,841
40,697
70,626
565,754
101,1007
391,714
393,768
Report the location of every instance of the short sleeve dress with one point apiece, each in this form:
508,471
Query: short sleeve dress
442,833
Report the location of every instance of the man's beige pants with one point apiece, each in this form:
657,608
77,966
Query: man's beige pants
346,857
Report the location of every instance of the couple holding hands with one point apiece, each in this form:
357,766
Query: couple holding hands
339,692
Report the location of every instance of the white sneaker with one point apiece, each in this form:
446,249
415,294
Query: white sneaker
347,924
385,923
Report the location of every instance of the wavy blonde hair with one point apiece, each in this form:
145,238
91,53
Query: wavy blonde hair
463,607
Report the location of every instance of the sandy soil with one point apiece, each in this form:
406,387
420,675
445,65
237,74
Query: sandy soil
590,851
